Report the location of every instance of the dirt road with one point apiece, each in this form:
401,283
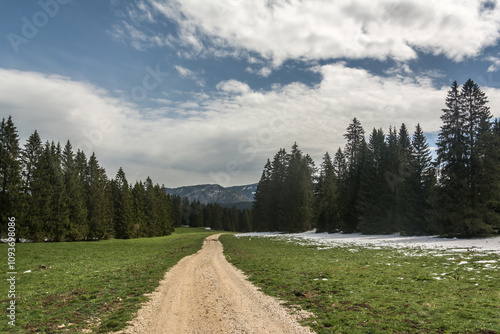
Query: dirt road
204,293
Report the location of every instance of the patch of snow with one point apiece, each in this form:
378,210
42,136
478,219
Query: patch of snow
325,240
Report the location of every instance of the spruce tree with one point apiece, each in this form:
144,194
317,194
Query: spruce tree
374,189
75,196
394,170
177,211
246,221
421,182
186,211
196,216
139,210
122,218
152,209
262,205
355,153
165,211
60,217
30,157
99,199
299,192
10,172
327,198
278,214
340,167
217,217
463,149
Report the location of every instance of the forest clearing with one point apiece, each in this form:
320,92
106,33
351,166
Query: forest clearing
343,287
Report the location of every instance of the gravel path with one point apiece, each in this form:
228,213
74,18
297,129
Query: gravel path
204,293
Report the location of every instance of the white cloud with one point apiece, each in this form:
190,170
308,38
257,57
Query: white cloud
139,39
495,66
315,29
184,72
201,140
233,86
188,74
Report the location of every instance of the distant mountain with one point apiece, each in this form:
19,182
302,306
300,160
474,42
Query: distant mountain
214,193
248,190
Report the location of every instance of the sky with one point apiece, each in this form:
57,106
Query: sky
193,92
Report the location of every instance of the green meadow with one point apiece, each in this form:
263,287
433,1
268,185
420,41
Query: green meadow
98,286
385,290
89,286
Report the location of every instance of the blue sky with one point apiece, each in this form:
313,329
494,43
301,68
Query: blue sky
193,91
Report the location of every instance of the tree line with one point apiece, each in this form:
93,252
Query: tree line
59,195
212,215
389,182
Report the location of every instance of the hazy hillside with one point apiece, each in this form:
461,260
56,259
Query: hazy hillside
214,193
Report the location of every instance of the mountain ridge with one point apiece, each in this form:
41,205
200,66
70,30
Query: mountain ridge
215,193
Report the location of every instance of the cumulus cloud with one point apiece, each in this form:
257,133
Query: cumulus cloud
281,30
139,39
233,86
495,66
188,74
223,138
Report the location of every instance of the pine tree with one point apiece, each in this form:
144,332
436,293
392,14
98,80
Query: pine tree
10,172
374,190
463,147
491,195
49,210
421,182
139,209
340,167
278,217
327,198
262,205
30,157
355,154
246,221
122,218
152,209
60,218
355,137
99,198
393,167
75,196
299,195
196,216
186,211
217,217
177,211
165,211
405,197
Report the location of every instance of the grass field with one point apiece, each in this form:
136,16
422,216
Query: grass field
89,285
363,290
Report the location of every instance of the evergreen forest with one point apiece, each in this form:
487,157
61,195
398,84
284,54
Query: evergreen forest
56,194
388,182
380,182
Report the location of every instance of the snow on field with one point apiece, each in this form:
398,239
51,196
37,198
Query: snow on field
325,240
